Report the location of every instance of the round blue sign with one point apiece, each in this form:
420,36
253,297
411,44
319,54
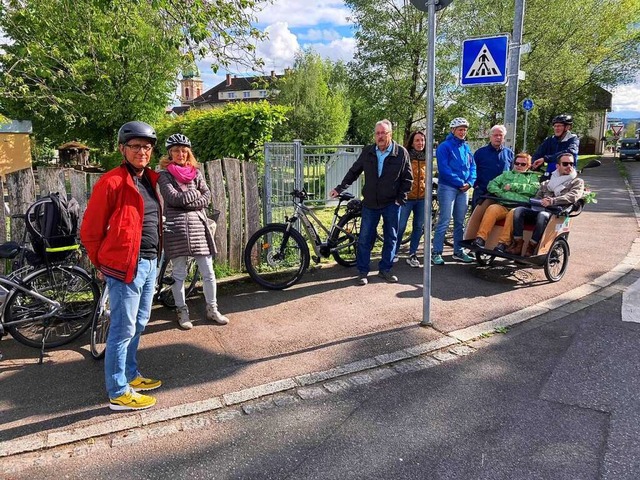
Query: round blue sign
527,104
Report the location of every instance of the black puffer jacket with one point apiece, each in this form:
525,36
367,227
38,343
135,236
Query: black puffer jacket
392,186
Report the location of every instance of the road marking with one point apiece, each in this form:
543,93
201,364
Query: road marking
631,303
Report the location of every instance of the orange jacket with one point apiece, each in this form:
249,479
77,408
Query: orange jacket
111,229
419,169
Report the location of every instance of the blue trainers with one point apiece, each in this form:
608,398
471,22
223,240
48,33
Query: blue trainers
462,257
436,259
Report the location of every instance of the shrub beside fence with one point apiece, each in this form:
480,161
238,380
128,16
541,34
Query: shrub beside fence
234,187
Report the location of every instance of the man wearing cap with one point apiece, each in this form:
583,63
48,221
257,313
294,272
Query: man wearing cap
562,141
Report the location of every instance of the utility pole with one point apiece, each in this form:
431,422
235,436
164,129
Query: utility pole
511,102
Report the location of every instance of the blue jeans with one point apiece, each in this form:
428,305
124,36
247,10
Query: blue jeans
130,311
417,207
451,202
370,219
523,214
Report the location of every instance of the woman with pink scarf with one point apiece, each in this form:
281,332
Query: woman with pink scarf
186,198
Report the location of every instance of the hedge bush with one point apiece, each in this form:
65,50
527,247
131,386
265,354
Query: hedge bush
237,130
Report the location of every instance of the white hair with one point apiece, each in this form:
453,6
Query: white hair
502,128
386,123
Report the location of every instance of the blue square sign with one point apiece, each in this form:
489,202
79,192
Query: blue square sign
484,61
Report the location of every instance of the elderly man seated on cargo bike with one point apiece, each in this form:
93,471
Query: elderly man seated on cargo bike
517,185
562,189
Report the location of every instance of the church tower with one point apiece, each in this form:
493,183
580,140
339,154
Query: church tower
190,85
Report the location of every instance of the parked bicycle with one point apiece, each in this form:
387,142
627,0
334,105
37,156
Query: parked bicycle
163,294
277,255
48,301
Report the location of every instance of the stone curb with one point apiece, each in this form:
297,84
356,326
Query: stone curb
316,384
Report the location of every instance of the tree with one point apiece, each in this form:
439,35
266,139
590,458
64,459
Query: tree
567,58
79,69
317,92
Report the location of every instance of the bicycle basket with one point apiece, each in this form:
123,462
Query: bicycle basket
52,225
354,206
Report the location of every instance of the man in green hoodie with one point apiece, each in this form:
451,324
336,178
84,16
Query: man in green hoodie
518,184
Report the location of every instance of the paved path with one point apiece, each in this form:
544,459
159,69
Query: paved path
320,329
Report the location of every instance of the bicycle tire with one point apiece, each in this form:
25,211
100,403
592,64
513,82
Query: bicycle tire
100,326
276,259
165,280
344,239
77,294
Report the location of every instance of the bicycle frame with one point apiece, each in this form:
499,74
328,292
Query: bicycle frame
5,281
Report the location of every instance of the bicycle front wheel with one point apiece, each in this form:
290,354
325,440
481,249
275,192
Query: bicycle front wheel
165,293
344,239
276,258
72,287
100,326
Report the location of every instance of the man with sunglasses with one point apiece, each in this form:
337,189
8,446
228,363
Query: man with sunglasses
121,233
562,189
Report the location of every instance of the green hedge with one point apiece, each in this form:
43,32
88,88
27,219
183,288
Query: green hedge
237,130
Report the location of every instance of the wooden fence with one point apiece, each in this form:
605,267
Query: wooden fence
234,191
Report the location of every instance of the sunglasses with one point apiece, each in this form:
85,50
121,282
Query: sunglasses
566,164
520,164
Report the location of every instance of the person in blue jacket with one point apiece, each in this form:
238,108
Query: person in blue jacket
456,174
562,141
491,160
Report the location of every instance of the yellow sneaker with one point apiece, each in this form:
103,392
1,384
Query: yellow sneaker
141,383
131,401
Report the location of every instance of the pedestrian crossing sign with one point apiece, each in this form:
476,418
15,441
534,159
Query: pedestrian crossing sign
484,61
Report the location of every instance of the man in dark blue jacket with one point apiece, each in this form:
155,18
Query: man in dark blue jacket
387,180
562,141
491,160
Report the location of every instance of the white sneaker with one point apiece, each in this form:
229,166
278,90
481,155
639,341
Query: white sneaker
213,315
396,258
413,261
183,318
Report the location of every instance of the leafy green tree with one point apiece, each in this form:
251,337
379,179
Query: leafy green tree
81,68
317,92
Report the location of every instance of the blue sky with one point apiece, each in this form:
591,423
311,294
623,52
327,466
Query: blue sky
324,26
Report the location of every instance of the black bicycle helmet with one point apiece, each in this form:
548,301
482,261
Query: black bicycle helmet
563,118
177,139
136,130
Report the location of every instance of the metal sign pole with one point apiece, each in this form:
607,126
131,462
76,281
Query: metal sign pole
526,124
511,100
431,87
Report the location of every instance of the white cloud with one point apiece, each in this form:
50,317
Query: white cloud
341,49
278,51
317,35
627,97
301,13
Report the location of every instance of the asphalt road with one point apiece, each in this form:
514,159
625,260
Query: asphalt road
554,400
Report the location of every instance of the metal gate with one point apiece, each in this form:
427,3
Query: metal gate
316,168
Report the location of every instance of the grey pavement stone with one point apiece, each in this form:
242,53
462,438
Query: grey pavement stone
97,429
196,422
309,393
382,374
316,377
337,385
393,357
24,444
177,411
437,344
227,414
129,438
285,399
607,279
415,364
258,406
259,391
444,356
462,350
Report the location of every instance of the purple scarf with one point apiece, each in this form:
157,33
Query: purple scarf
182,174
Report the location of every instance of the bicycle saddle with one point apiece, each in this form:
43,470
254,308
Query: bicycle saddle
9,250
346,196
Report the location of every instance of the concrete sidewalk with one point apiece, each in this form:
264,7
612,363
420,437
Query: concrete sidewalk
318,330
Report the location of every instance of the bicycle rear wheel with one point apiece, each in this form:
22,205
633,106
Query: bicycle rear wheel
100,326
165,293
275,258
72,287
345,239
